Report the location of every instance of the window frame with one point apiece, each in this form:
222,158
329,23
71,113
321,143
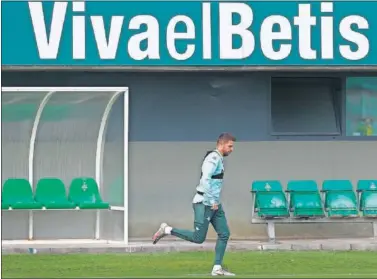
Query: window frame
336,93
344,110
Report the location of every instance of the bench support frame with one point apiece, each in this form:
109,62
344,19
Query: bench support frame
271,223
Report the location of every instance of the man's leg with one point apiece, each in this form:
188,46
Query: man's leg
220,225
202,217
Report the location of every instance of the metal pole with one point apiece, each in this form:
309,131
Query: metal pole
33,137
125,165
100,149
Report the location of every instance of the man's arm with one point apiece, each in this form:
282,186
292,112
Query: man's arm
208,168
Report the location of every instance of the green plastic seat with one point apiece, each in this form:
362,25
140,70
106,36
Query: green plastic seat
340,199
270,200
85,194
52,194
17,193
367,190
305,200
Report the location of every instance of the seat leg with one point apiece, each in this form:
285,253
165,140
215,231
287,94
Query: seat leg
97,224
31,225
271,231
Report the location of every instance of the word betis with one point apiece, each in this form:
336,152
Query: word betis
278,36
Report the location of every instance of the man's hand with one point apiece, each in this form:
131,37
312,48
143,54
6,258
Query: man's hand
215,207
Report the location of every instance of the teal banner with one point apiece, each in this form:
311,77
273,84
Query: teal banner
189,33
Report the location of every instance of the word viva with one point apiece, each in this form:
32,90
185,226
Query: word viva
276,36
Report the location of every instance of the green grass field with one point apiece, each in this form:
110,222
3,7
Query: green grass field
193,264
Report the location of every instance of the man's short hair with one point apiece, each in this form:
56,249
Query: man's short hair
226,137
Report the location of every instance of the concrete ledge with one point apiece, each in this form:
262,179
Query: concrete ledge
306,246
74,247
337,246
364,246
277,247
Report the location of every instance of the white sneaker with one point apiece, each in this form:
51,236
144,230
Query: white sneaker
221,272
161,232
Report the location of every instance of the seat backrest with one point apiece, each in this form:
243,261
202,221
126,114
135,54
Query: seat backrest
337,185
341,199
302,186
305,200
370,200
367,185
271,200
50,190
266,186
17,189
339,194
304,194
84,189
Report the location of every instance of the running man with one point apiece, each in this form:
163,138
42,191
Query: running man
207,206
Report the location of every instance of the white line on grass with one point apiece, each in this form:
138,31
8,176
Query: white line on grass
318,275
330,275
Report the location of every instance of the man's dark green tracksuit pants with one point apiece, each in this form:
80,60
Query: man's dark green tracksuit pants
203,216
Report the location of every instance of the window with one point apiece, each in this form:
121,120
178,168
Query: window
361,106
305,106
